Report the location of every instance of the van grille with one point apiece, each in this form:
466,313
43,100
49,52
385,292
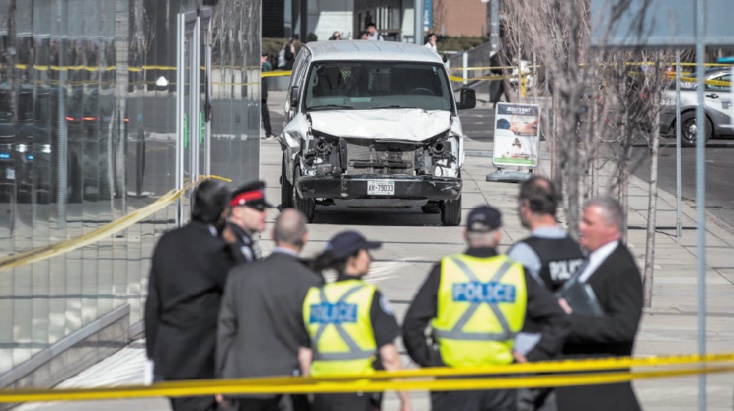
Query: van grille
369,157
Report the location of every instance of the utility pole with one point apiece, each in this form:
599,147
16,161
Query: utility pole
10,53
418,29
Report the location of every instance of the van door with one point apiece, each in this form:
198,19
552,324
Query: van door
300,67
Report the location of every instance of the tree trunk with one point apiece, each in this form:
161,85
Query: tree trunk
647,280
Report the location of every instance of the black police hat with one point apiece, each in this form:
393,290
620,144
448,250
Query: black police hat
250,195
483,219
348,242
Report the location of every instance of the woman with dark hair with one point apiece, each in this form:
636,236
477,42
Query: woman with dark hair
350,323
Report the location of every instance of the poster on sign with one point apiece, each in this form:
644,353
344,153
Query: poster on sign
516,135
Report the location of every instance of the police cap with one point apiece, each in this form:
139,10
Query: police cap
349,242
250,195
483,219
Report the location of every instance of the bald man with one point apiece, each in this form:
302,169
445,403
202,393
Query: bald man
260,325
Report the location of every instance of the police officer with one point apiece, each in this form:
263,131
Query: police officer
476,302
551,256
247,218
350,324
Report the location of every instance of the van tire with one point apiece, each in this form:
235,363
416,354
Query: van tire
451,212
306,205
286,188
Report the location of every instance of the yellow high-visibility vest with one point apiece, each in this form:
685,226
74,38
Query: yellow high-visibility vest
481,306
337,317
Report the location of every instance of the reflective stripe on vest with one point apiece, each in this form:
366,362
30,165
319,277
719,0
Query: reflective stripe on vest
355,352
456,332
481,305
337,317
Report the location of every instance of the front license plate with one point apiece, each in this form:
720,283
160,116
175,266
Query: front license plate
380,188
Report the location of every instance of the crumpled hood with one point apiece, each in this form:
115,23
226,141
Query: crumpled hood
396,124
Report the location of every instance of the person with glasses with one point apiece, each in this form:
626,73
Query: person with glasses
351,326
246,218
336,36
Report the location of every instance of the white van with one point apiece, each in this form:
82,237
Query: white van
372,124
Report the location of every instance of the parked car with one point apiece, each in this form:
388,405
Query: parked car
372,124
718,99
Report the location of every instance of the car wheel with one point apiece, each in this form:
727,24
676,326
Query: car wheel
688,129
451,212
286,188
306,205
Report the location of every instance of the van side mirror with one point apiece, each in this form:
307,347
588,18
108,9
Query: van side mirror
467,99
294,96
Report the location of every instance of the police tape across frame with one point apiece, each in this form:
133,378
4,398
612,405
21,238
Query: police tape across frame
383,381
65,246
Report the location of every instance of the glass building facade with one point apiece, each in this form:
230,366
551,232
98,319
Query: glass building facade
88,134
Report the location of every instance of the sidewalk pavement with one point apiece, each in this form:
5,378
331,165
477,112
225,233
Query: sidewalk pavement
668,327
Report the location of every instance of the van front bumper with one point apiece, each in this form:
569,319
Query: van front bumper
355,187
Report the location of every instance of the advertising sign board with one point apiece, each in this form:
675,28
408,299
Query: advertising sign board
516,135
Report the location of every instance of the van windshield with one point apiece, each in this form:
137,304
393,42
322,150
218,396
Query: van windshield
360,85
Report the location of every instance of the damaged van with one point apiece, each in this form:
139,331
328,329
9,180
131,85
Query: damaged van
372,124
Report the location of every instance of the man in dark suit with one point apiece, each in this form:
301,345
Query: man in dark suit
261,330
613,276
187,276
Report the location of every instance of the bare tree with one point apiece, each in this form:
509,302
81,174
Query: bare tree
604,102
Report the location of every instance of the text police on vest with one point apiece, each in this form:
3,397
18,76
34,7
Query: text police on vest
476,292
327,313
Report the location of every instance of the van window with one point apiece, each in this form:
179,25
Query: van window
372,85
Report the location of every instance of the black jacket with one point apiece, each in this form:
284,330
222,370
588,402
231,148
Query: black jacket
187,277
242,250
261,323
618,288
542,307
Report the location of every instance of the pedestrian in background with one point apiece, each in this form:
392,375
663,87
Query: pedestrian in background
246,219
476,302
350,323
364,35
431,40
187,276
266,66
615,280
260,325
336,36
372,33
551,256
289,54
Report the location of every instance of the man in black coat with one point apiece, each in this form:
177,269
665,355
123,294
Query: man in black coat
613,276
261,328
187,277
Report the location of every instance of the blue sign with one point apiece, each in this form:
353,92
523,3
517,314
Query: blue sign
476,292
327,313
427,14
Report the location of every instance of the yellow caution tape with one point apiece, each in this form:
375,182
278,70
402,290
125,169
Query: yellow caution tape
276,73
389,381
51,250
687,79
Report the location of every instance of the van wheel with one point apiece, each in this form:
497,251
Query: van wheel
451,212
306,205
286,189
